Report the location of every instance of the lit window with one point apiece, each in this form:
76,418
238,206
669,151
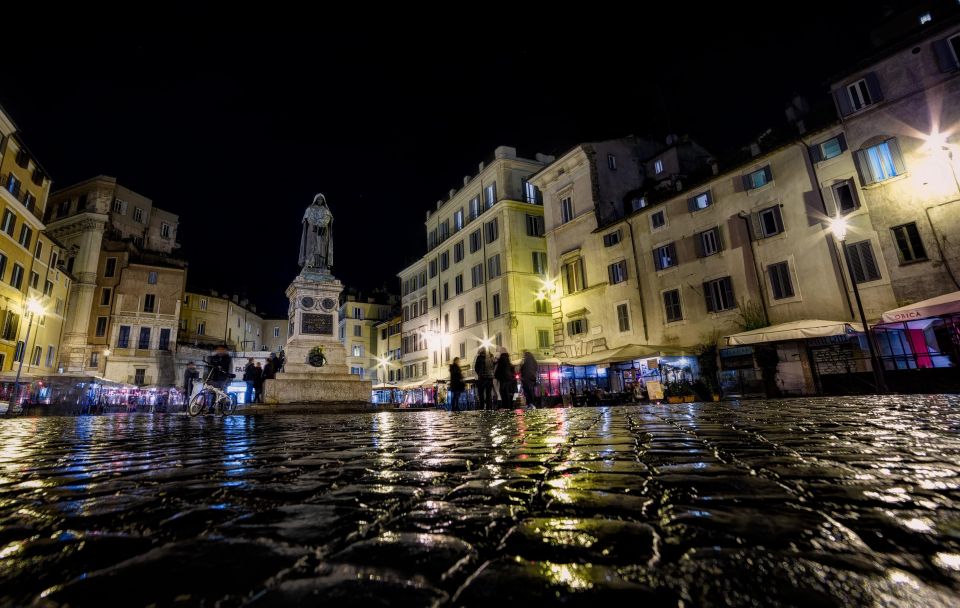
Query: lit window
758,179
925,18
665,257
617,272
700,201
577,327
658,166
566,210
880,162
612,162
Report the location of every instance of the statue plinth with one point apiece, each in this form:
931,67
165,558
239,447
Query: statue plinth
314,322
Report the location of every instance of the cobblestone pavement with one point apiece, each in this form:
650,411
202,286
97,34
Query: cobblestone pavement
825,502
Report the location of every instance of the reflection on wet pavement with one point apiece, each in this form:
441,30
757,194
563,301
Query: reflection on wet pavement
827,502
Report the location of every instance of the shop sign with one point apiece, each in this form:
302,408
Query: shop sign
736,351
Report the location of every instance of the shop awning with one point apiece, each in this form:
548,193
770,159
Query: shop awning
384,387
794,330
629,352
947,304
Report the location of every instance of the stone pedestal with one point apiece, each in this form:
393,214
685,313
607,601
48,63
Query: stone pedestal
313,313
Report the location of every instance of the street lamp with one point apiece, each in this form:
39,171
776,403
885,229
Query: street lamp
839,227
33,309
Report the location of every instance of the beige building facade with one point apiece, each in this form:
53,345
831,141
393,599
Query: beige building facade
359,317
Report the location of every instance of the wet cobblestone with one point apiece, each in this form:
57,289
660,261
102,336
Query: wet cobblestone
827,502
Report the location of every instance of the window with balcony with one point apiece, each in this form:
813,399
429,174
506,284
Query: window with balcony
149,302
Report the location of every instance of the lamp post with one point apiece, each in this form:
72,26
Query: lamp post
838,226
33,309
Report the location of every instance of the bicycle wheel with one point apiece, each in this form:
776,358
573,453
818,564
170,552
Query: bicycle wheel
228,405
198,403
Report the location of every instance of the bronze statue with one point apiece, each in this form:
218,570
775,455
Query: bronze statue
316,242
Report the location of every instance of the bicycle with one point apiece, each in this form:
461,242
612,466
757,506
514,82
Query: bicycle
213,397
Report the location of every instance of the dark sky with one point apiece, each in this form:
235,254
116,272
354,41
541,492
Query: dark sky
235,121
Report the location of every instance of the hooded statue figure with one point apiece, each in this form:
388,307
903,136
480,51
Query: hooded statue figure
316,242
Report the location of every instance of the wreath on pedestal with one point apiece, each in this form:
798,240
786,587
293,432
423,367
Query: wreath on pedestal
316,358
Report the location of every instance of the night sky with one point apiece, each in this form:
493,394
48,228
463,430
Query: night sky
235,122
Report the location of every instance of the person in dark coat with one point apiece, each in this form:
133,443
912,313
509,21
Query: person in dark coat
222,364
505,375
281,361
529,371
190,375
258,384
274,362
456,384
250,376
483,367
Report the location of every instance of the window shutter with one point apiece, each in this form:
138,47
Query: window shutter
692,204
672,248
768,173
873,85
746,182
728,290
656,260
610,273
775,285
698,244
778,215
755,226
898,165
856,266
842,140
945,58
708,295
863,168
719,235
870,269
844,106
815,155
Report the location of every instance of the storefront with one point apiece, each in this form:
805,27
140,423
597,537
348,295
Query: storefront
616,372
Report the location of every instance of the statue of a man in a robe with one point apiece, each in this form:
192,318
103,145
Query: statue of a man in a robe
316,242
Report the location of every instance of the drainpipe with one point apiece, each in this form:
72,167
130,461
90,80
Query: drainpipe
636,262
753,254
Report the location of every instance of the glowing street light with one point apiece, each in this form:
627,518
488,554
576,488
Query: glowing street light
34,308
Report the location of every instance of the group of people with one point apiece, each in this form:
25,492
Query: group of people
488,368
221,363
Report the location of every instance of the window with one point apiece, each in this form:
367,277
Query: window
26,234
475,241
357,331
611,239
458,252
144,341
48,288
446,323
165,230
3,265
490,195
458,284
671,305
769,222
152,278
617,272
433,297
38,249
474,208
138,214
859,94
844,194
491,231
478,310
780,282
476,275
446,291
566,210
700,201
531,194
276,331
9,222
140,376
926,18
909,244
29,201
164,339
493,267
101,327
357,350
432,239
577,327
657,167
831,148
461,318
623,317
94,359
543,338
433,270
638,203
23,159
496,305
444,260
37,353
13,185
53,259
11,325
123,338
658,220
203,303
665,257
51,353
880,162
611,162
149,301
534,225
539,262
201,328
16,277
757,179
118,206
542,306
110,268
34,280
574,279
709,242
444,230
719,295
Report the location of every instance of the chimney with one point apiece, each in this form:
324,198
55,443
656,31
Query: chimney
505,152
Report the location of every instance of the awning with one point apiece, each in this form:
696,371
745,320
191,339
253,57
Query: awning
947,304
384,387
795,330
622,353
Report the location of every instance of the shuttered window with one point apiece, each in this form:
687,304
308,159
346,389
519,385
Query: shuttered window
719,295
863,265
880,162
780,282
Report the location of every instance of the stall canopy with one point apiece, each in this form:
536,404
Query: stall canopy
794,330
947,304
623,353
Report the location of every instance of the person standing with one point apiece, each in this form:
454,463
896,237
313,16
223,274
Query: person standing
249,376
274,363
483,367
456,384
529,371
222,363
258,384
281,361
505,376
190,374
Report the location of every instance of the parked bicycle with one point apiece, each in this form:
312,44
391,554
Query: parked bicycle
211,397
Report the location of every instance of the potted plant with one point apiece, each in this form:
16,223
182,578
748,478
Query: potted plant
673,392
316,358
